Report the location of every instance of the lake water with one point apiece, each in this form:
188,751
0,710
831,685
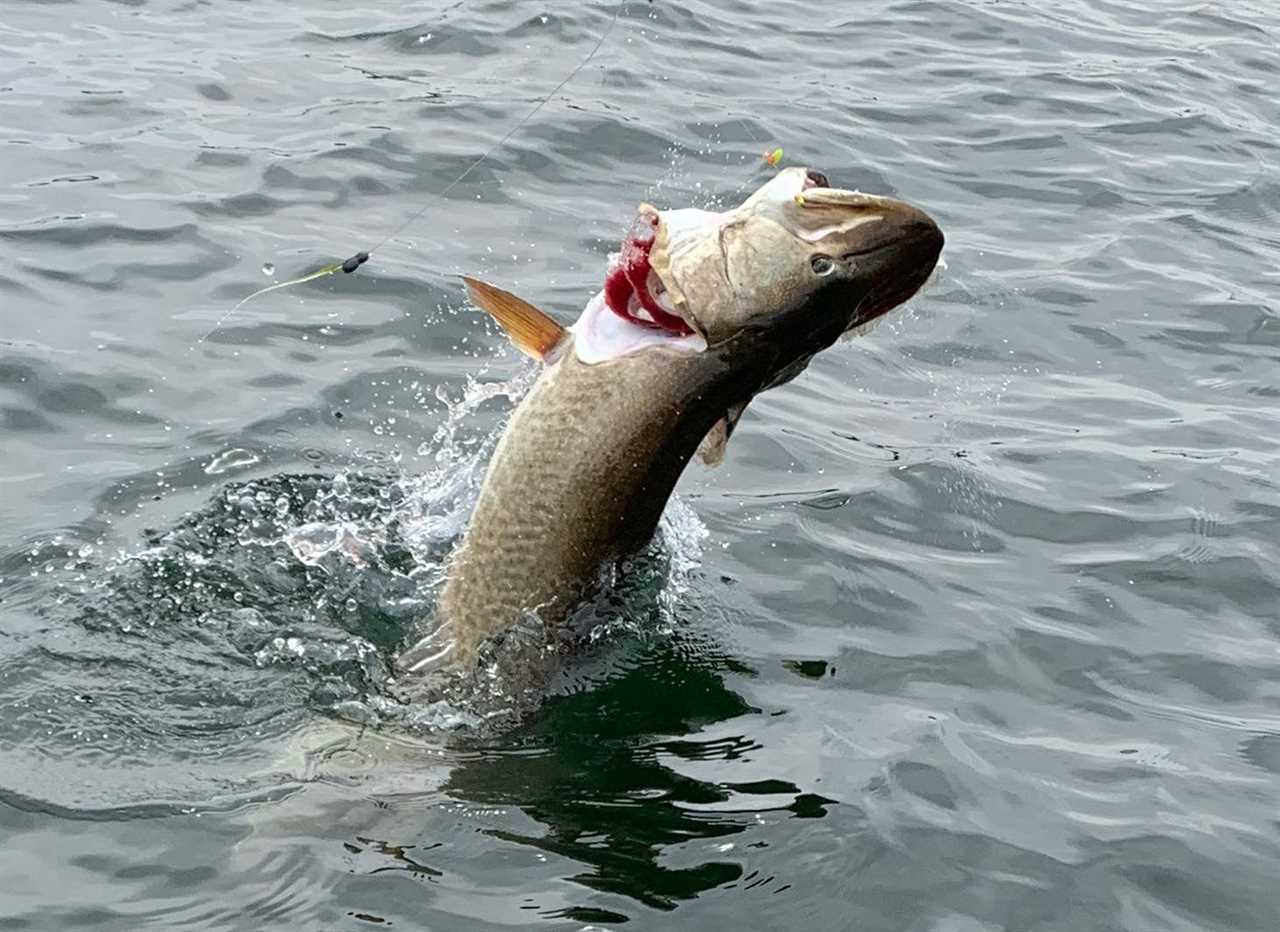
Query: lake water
978,627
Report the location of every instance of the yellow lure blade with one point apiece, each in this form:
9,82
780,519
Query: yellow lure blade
319,273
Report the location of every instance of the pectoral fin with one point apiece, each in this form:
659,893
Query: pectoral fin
711,450
532,331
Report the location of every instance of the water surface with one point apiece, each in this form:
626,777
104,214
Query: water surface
978,627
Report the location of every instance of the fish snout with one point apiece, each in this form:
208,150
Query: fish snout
907,233
878,251
895,255
863,221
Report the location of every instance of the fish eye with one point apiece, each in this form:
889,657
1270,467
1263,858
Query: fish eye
817,179
822,265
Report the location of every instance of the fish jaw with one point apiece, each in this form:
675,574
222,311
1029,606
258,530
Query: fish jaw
633,290
601,335
634,310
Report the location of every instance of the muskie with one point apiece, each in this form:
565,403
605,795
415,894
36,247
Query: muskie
699,313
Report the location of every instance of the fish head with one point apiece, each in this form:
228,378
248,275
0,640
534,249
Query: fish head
801,260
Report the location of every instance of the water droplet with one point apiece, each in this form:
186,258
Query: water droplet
235,458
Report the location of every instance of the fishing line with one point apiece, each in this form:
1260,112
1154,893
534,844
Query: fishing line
354,262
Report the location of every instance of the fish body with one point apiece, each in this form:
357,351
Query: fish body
712,309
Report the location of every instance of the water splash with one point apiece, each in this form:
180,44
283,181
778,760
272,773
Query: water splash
281,604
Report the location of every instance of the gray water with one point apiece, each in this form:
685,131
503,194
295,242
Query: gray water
978,627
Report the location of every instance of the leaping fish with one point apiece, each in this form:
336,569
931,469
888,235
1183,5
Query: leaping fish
699,313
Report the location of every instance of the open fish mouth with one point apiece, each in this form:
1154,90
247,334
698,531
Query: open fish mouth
634,290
